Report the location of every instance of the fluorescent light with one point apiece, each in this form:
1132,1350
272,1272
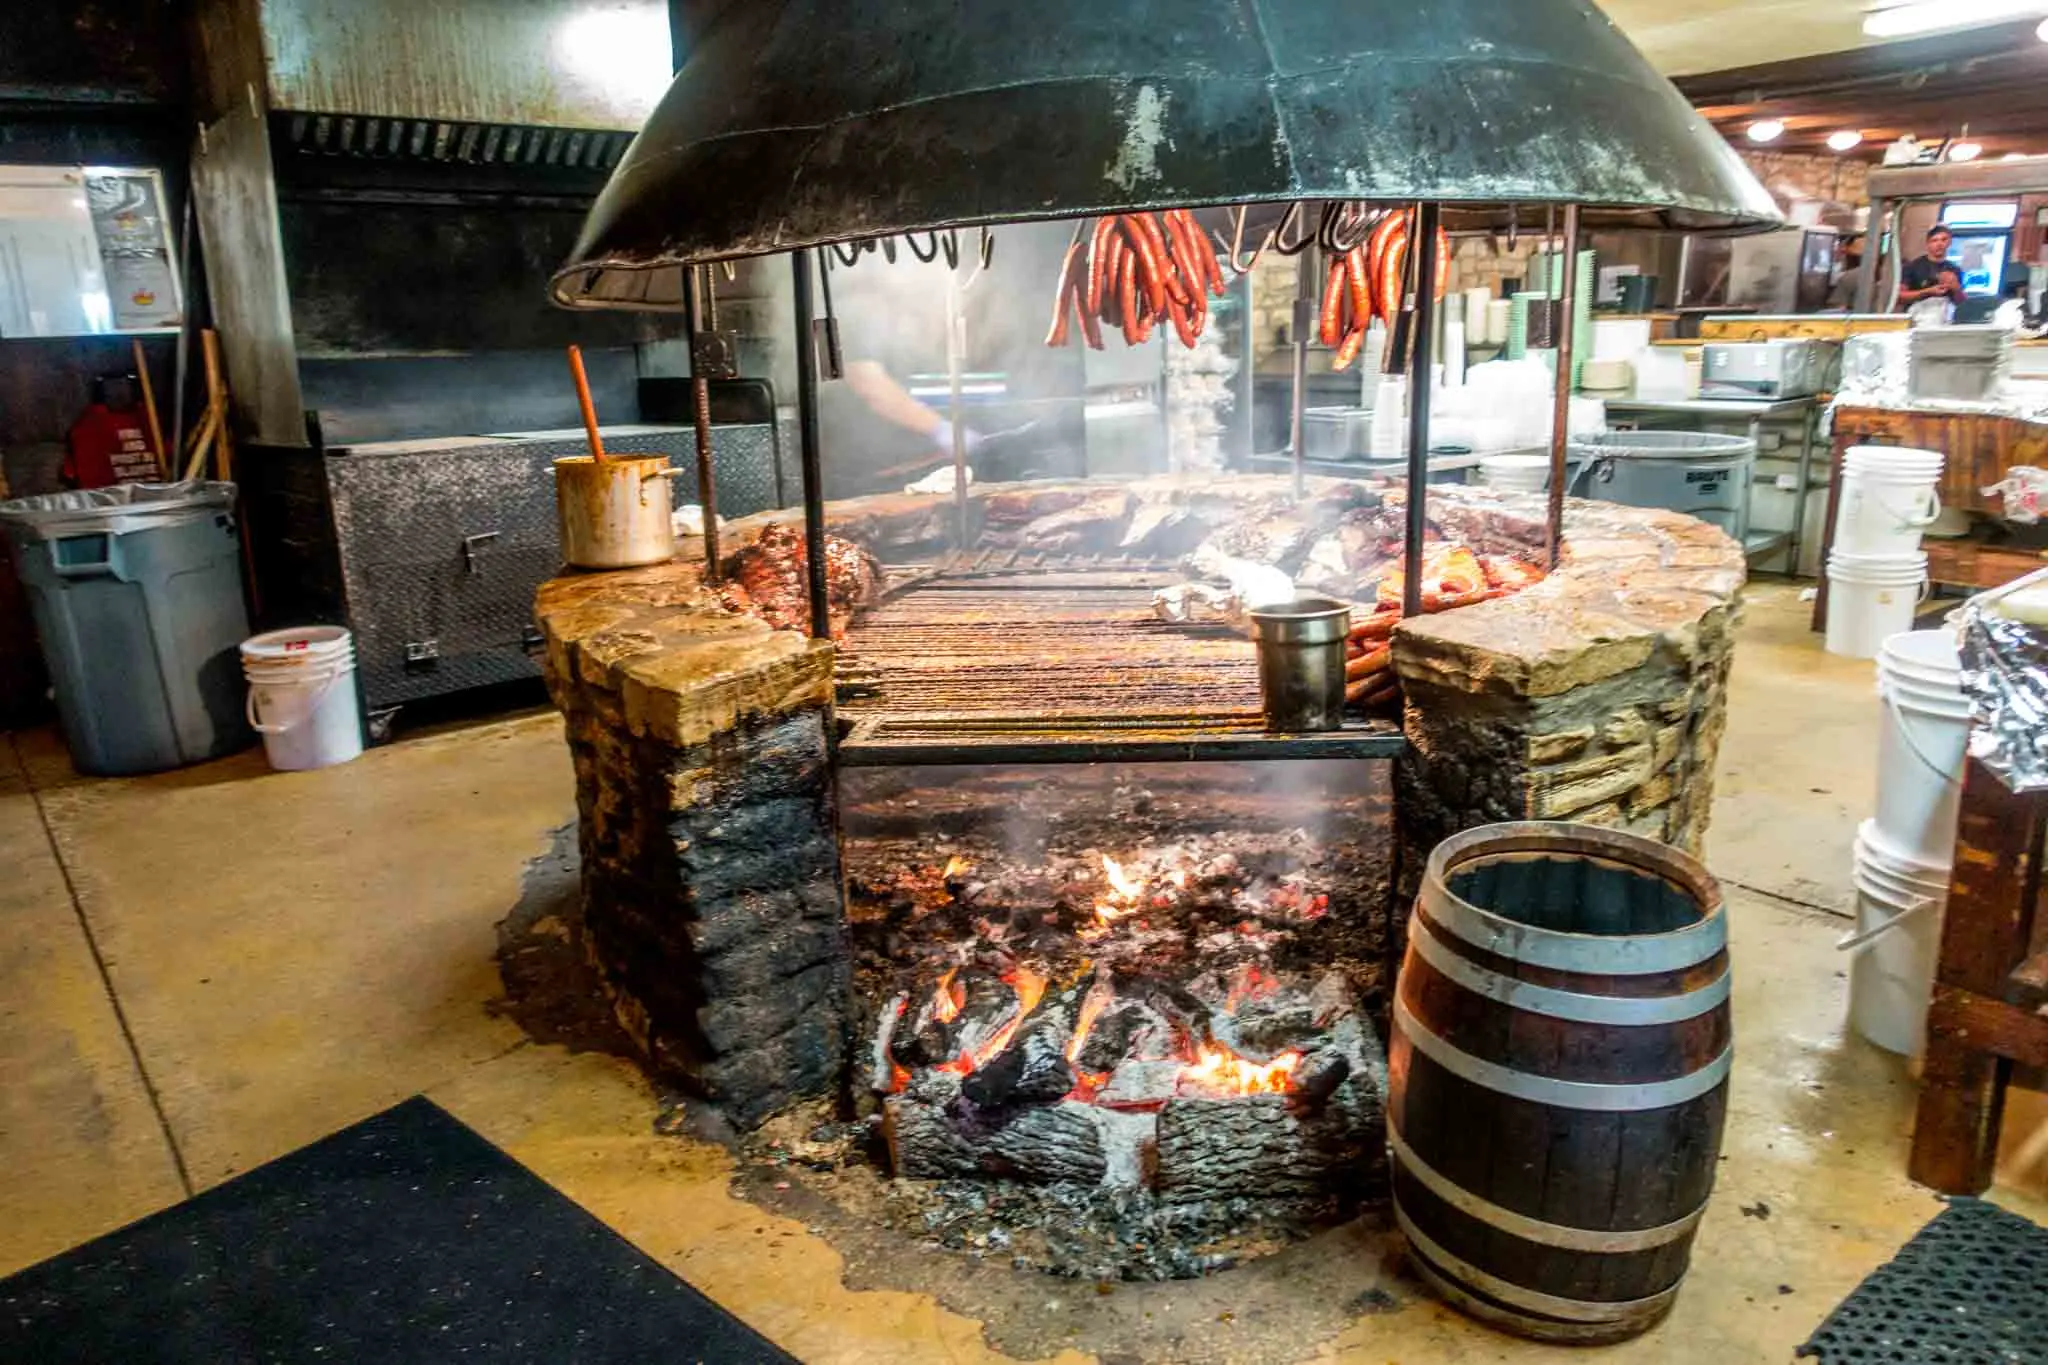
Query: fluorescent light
1846,140
2014,156
1766,130
2042,32
1928,16
1966,151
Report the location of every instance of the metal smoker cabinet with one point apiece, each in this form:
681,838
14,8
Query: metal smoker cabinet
430,551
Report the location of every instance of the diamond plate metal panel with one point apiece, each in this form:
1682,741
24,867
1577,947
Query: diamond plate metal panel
443,547
441,553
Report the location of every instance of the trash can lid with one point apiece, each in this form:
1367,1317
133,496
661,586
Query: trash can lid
118,510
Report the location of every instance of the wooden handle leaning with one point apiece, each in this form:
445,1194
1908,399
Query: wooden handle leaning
164,455
583,399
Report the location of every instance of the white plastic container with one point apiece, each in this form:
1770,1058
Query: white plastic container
302,696
1890,496
1870,599
1923,744
1897,943
615,512
1516,473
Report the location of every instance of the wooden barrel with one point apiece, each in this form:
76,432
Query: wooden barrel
1558,1076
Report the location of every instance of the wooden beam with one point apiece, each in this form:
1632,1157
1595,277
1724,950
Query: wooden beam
2007,1031
1993,890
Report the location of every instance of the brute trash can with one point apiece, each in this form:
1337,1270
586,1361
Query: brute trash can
1697,472
136,592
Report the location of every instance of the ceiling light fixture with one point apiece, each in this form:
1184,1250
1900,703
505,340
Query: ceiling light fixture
2042,32
1929,16
1966,151
1846,140
2014,156
1766,130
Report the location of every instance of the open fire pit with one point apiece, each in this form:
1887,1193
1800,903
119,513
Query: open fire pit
1134,1004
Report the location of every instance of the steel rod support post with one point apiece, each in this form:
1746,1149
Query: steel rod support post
697,283
802,269
1561,399
1306,269
1421,362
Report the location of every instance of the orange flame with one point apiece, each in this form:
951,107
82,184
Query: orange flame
957,866
1123,883
1218,1068
948,997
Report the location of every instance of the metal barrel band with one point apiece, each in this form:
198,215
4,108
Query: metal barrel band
1557,1004
1627,1097
1534,1229
1636,956
1528,1300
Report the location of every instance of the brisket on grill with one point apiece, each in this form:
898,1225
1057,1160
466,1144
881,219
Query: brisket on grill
766,579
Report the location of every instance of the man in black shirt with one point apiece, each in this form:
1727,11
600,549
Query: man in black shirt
1934,275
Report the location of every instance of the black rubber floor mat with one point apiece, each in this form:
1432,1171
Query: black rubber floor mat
407,1238
1971,1288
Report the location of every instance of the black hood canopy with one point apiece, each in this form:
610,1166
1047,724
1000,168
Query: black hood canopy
796,123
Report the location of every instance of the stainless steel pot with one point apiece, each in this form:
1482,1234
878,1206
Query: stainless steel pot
1301,663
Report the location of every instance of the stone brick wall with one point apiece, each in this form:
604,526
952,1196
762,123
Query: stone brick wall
1598,696
712,901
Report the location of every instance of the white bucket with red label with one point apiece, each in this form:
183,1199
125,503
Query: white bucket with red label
302,696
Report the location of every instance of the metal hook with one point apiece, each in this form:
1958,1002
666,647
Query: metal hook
985,255
931,251
1237,257
847,252
1278,240
950,245
1514,225
731,271
889,250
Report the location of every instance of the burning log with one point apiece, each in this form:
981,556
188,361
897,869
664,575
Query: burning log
1033,1067
934,1133
1221,1148
1319,1075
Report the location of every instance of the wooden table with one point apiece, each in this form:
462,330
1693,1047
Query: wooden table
1979,447
1990,1007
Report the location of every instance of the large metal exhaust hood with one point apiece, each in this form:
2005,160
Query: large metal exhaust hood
800,122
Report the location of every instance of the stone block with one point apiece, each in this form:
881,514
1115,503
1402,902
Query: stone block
1655,793
1559,746
1625,730
1557,793
1665,744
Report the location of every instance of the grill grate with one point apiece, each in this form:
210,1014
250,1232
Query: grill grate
447,141
984,659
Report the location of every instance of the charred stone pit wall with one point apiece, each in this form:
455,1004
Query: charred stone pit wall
713,897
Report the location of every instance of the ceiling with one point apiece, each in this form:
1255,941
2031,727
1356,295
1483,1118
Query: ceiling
1994,79
1682,37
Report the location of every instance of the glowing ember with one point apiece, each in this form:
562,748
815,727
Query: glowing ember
1220,1069
957,867
1126,896
1030,989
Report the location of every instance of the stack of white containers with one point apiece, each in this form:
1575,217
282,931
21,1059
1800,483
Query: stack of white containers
1877,574
1903,855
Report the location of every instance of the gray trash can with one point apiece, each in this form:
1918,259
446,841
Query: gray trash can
1705,475
137,594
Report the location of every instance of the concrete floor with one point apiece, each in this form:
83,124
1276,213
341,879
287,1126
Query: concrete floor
204,970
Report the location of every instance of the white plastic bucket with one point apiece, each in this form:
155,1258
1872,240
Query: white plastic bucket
1870,599
1883,514
1922,745
1897,944
302,696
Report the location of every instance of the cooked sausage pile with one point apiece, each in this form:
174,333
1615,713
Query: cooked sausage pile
1452,577
1370,281
1133,270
